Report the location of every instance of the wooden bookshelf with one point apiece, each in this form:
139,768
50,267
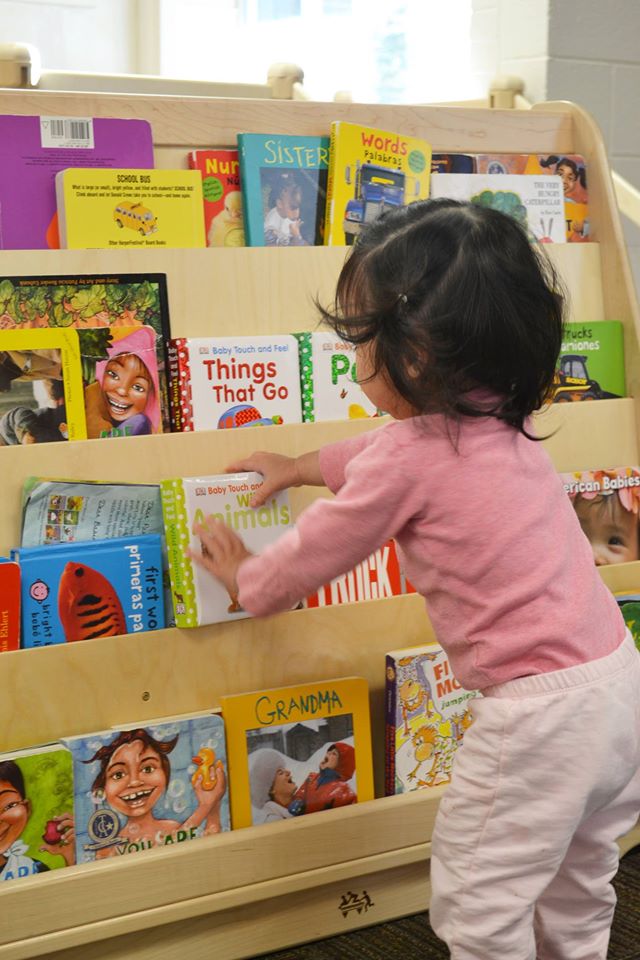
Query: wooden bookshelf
262,888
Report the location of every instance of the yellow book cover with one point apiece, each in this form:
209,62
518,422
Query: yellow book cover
129,208
41,392
370,171
297,750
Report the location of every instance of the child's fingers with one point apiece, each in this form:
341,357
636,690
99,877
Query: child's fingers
247,464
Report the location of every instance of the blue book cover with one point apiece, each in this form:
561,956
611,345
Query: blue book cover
284,188
79,591
154,784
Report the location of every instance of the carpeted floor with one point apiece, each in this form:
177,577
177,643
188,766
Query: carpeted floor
412,938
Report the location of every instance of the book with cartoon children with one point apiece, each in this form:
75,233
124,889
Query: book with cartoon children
380,575
222,196
607,503
284,184
36,811
370,171
328,379
427,712
9,605
153,784
591,362
197,597
298,749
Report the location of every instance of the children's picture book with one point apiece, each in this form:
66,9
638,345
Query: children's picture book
197,597
41,394
81,591
298,749
36,811
227,382
85,300
222,196
328,379
607,502
537,203
34,149
9,605
155,784
454,163
591,362
284,186
629,604
371,171
427,712
129,208
380,575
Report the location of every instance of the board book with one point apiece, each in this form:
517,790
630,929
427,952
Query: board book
34,149
9,605
222,197
227,382
298,749
284,184
607,503
328,379
371,171
197,597
591,363
81,591
153,784
129,208
36,801
427,712
379,576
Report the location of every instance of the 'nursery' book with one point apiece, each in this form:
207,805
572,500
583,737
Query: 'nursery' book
427,714
371,171
607,502
34,149
129,208
9,605
223,382
328,379
298,750
155,784
284,183
197,597
36,811
223,221
380,575
591,363
80,591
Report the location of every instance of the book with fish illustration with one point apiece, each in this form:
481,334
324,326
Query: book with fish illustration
380,575
9,605
220,170
80,591
36,811
156,783
328,379
197,597
298,749
427,712
226,382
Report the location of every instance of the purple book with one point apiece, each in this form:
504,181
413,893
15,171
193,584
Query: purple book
34,149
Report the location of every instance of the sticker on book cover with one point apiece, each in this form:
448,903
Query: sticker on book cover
103,829
68,133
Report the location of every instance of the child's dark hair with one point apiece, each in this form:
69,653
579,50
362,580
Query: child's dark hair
11,773
284,184
453,297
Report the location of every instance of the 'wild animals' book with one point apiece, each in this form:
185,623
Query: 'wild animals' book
155,784
284,184
427,712
34,149
380,575
537,203
607,502
79,591
329,381
591,362
197,597
226,382
297,750
222,197
36,811
129,208
41,395
371,171
9,605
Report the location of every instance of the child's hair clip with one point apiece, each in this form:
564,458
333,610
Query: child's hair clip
402,298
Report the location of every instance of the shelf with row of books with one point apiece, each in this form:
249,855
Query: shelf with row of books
260,888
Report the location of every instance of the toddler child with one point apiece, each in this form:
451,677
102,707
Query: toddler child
282,223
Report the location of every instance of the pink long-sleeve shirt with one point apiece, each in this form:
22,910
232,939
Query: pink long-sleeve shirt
488,537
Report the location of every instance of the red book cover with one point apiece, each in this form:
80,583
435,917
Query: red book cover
220,171
380,575
9,605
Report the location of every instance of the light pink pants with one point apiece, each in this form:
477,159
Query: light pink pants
524,846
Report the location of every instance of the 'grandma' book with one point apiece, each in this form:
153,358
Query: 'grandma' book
329,381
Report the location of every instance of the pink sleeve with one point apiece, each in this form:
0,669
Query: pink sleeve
334,457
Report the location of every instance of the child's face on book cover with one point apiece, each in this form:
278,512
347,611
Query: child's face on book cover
611,530
125,388
14,814
135,780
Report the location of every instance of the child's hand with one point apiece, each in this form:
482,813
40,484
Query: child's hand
222,552
279,472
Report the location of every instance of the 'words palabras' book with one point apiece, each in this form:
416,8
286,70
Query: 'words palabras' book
197,597
222,197
591,362
328,379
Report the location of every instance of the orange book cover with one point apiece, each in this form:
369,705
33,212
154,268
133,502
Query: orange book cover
222,198
9,605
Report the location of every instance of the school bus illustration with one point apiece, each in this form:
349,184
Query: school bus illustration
136,217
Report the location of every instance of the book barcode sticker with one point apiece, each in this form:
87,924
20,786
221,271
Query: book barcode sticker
67,132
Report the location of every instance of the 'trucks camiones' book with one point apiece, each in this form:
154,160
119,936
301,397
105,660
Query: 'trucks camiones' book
591,362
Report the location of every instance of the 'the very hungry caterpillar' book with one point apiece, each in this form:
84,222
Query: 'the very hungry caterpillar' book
36,811
426,716
298,749
591,362
153,784
80,591
223,220
380,575
223,382
9,605
328,379
607,502
197,597
370,171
